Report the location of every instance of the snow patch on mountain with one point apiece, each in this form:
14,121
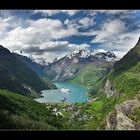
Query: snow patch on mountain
40,61
71,55
96,53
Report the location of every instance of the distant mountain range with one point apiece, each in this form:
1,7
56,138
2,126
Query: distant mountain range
70,65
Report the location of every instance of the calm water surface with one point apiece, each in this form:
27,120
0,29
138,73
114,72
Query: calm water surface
76,94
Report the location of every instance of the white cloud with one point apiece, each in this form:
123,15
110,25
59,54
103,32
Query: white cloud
86,22
114,35
110,12
41,34
80,23
53,12
54,46
119,54
109,29
3,24
62,46
38,31
71,24
46,12
113,11
70,12
51,49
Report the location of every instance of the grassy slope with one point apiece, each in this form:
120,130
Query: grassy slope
92,76
19,112
128,82
125,76
126,72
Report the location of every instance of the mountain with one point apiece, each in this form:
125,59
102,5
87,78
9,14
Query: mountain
92,75
20,112
70,65
40,61
118,100
123,84
129,60
18,77
37,67
125,73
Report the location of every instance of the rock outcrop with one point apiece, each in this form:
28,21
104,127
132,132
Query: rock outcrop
109,88
119,119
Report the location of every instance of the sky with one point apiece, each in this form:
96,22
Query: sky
49,34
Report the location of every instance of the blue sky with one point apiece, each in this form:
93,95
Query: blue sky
54,33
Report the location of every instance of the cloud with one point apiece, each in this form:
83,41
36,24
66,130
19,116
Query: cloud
58,46
53,12
114,35
80,23
113,11
51,49
3,24
39,35
110,12
86,22
109,29
70,12
46,12
38,31
119,54
72,24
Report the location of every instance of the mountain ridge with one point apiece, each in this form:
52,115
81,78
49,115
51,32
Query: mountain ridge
68,66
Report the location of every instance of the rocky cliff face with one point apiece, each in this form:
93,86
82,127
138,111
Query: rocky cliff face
109,88
119,119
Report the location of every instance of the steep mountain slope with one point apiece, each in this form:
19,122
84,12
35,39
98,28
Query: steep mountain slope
128,61
125,74
20,112
68,66
92,75
118,99
38,68
16,76
124,83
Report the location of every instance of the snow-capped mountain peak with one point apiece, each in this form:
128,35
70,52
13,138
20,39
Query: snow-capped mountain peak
96,53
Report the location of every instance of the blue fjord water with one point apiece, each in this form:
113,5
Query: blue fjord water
76,94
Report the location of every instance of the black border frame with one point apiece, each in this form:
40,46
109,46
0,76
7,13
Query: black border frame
70,4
